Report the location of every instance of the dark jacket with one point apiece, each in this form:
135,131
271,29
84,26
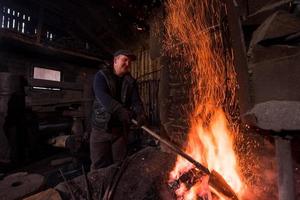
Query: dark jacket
109,100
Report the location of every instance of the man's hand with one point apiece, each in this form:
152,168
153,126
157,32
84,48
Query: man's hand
141,120
124,116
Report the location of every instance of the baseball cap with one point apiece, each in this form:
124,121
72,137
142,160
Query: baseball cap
125,52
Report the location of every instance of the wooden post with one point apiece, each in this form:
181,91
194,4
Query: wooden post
285,169
40,25
240,58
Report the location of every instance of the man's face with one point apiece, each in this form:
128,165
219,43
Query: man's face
122,65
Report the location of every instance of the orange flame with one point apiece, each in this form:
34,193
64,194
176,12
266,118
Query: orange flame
193,33
213,147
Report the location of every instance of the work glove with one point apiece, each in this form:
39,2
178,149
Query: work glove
124,116
141,120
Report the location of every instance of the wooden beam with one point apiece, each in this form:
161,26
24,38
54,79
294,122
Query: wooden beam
86,30
240,58
54,84
7,36
95,15
40,24
285,169
81,24
89,19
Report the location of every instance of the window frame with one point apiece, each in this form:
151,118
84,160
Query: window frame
47,68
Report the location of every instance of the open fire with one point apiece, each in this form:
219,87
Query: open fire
194,32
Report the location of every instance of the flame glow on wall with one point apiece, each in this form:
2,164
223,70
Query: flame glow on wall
194,33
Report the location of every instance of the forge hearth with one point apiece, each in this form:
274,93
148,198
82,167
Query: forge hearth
142,176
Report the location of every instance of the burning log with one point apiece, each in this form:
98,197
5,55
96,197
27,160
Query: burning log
189,178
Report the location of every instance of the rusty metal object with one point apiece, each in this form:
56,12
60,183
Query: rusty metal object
18,185
215,179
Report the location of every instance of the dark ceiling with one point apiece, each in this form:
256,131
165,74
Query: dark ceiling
106,24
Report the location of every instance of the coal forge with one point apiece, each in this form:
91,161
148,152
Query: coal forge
144,175
141,176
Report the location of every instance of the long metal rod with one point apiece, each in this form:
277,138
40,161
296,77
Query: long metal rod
175,148
67,185
88,192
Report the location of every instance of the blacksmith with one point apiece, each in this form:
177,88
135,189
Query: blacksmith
117,101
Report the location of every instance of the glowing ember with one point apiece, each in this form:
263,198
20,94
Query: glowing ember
193,32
